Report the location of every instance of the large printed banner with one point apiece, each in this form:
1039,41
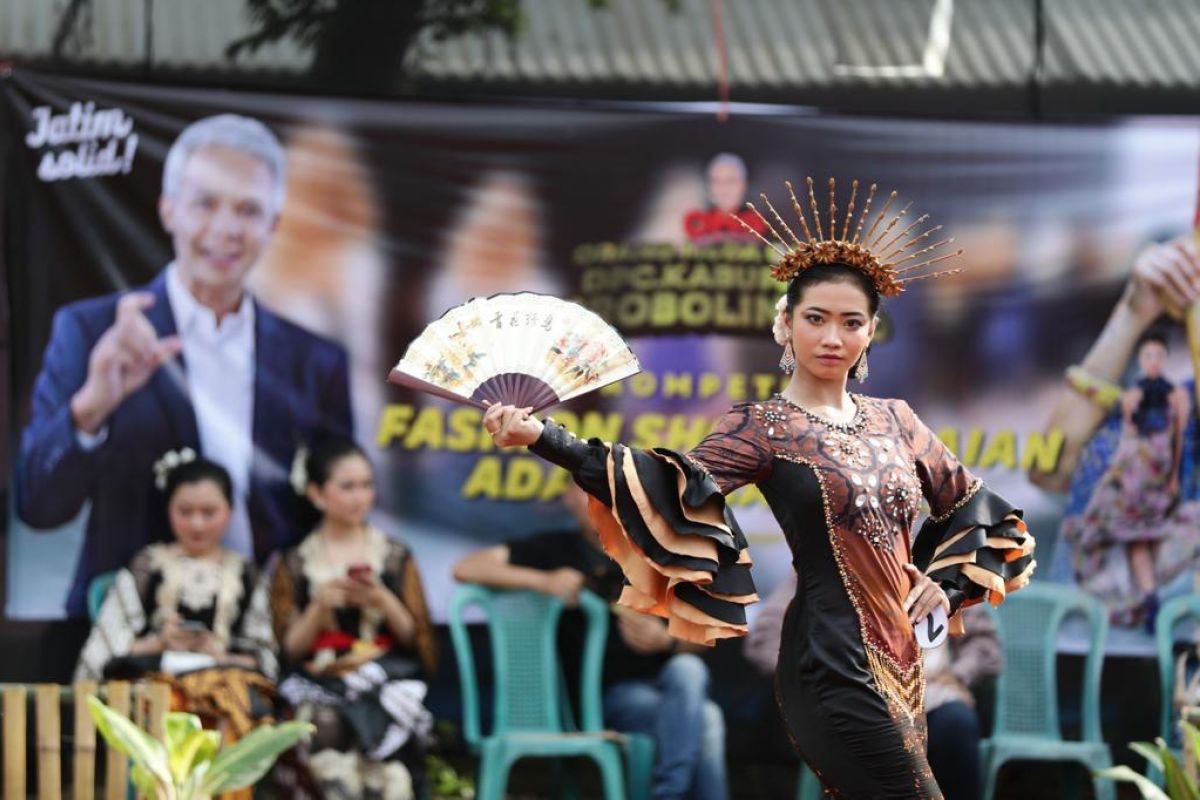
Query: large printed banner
393,212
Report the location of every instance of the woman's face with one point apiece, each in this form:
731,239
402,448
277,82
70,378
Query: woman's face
831,327
199,514
349,494
1152,359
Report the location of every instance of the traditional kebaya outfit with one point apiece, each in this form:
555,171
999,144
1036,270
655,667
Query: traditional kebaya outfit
849,678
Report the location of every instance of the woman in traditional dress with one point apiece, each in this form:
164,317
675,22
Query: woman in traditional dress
356,637
190,611
844,475
1134,503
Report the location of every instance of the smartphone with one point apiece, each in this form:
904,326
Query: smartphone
360,572
192,626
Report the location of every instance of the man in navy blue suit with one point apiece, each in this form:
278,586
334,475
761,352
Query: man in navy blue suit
189,360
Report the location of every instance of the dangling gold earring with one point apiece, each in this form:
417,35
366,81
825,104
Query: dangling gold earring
861,370
787,362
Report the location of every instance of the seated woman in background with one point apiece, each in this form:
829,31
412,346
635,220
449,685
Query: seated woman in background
190,608
352,622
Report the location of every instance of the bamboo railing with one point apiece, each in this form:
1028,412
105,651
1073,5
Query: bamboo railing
148,702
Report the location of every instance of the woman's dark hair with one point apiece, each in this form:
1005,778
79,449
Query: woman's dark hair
832,273
1153,335
198,471
325,454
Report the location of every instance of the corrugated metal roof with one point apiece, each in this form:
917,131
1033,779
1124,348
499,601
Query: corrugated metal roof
771,44
1102,55
1113,55
1147,44
185,34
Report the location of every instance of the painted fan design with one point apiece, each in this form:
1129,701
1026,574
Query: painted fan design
526,349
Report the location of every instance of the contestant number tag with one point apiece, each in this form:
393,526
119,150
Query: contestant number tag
933,630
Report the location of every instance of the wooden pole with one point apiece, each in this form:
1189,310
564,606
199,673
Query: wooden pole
139,715
84,770
160,704
48,698
14,743
116,766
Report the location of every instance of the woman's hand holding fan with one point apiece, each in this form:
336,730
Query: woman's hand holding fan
525,351
511,426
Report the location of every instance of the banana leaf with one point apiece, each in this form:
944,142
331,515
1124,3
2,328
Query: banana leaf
243,763
127,738
1179,785
1148,788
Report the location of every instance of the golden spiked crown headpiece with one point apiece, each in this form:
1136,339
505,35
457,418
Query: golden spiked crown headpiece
887,259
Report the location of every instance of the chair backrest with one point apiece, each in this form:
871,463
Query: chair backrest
96,592
1026,692
1164,634
523,630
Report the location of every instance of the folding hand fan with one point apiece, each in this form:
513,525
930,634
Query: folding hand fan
525,349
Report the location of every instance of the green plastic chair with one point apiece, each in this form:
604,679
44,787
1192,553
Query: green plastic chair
97,591
527,718
809,785
1169,616
1026,722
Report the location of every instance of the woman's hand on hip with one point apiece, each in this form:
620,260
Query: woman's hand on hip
924,596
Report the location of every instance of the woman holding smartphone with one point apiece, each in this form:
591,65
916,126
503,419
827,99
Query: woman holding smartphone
190,610
355,633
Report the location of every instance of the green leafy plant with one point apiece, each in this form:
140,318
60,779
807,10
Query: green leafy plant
444,781
1178,785
189,764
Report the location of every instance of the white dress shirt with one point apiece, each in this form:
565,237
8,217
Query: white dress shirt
220,373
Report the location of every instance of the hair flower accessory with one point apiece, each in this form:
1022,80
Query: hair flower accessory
298,475
780,328
169,462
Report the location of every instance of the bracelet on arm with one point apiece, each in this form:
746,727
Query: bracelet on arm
1102,393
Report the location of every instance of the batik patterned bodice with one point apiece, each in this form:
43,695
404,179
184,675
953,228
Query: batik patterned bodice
858,486
871,475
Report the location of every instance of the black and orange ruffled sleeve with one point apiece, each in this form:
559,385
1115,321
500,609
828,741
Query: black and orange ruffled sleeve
662,517
975,544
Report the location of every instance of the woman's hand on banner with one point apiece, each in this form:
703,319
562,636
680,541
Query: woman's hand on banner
511,426
1165,277
123,360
